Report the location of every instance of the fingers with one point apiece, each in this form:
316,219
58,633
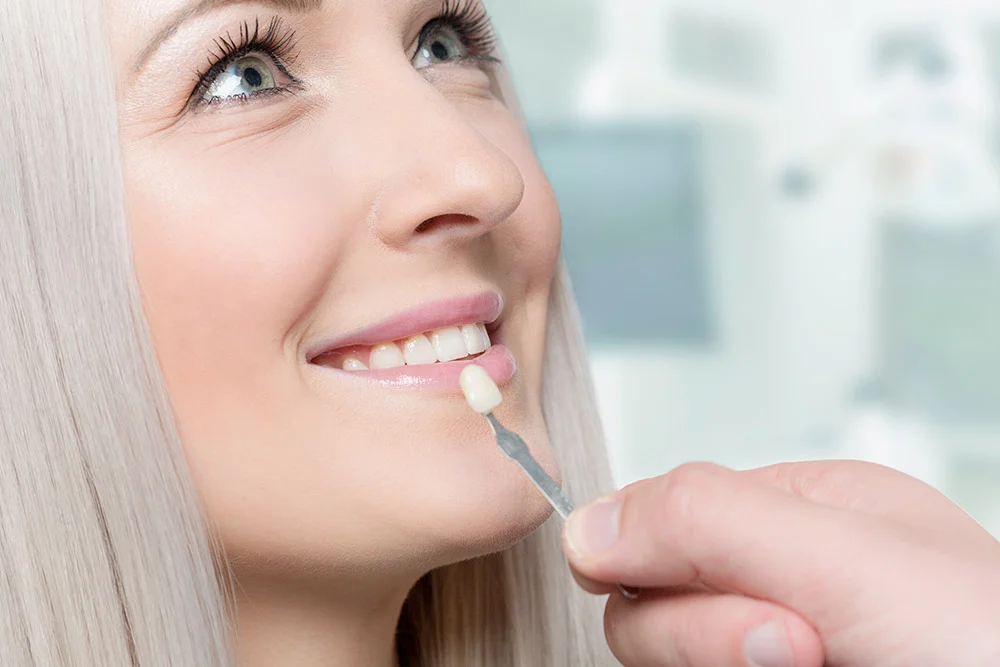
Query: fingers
698,629
592,586
851,485
703,523
767,549
873,489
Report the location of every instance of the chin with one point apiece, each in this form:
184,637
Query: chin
500,528
492,505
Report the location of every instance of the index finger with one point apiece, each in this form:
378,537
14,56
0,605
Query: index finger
873,489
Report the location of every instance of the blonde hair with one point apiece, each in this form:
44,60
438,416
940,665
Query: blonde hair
105,556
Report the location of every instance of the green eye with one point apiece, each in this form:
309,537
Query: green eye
244,77
441,45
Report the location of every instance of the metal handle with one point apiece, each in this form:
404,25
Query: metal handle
516,450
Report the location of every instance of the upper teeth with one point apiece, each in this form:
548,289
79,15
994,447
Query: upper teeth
446,344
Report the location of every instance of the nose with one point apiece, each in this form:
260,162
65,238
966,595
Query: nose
444,180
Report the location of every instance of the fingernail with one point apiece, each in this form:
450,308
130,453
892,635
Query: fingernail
593,529
767,646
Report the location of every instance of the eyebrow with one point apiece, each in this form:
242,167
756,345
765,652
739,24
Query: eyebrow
201,7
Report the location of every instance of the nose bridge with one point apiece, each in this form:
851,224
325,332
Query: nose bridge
436,165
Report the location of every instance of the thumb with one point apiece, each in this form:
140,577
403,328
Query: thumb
706,525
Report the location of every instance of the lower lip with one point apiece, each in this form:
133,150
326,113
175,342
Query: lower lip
497,361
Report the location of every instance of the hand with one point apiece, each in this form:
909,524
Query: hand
842,564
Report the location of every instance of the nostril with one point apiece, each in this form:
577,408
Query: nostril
445,222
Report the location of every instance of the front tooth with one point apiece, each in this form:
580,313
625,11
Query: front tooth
418,350
354,364
386,355
449,344
486,336
474,342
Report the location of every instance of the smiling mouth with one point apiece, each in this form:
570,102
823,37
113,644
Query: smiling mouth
439,346
424,347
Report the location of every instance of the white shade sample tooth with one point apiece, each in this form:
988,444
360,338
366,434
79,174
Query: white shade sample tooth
386,355
418,350
481,392
449,344
353,364
487,343
474,342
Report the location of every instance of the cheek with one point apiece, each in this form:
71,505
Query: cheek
229,254
542,232
535,230
533,236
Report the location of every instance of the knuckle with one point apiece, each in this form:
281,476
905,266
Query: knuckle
829,483
685,493
696,472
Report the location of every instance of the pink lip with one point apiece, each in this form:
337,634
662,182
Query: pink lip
484,307
497,361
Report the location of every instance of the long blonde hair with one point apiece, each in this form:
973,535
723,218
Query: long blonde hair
105,555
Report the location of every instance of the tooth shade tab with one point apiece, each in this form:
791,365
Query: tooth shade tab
481,392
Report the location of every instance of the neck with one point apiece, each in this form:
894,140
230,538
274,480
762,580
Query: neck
313,623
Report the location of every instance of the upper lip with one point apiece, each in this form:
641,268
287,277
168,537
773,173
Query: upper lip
484,307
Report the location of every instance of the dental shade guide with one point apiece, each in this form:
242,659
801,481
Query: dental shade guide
483,396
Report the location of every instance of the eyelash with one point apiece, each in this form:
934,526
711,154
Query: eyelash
470,21
276,41
468,18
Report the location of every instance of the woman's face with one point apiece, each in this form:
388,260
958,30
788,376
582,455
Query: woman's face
317,187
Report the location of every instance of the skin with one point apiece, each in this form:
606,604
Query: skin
262,228
846,564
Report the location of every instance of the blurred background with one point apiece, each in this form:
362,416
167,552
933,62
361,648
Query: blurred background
782,219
